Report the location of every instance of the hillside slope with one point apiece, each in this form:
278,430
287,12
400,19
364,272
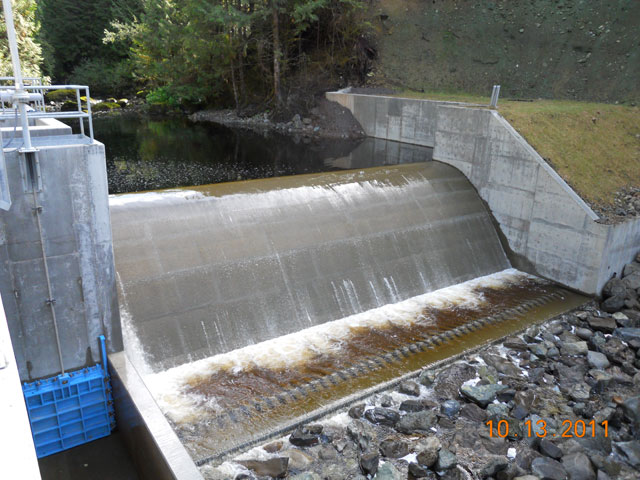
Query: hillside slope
584,49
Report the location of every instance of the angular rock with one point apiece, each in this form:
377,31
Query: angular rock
473,412
359,433
538,349
502,365
450,408
410,388
416,422
597,360
382,416
412,405
580,392
428,451
548,469
578,466
449,380
614,288
497,410
418,471
602,324
298,460
394,447
301,438
369,462
483,395
631,408
275,467
492,465
574,348
357,410
613,304
627,334
426,378
616,351
515,343
519,412
446,460
388,472
549,449
630,452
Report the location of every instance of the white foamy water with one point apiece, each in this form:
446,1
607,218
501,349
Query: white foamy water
147,197
287,351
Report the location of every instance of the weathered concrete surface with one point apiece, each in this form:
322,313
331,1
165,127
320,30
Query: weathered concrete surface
211,269
77,233
40,127
550,230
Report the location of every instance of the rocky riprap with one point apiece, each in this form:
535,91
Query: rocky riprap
584,365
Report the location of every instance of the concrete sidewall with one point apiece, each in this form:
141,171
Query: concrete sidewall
549,229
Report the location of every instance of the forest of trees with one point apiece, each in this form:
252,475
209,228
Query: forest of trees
195,52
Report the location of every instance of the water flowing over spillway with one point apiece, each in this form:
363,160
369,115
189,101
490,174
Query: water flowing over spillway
207,270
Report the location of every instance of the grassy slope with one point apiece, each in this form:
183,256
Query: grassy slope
595,147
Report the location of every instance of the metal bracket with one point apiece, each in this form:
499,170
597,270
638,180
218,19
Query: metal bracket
50,301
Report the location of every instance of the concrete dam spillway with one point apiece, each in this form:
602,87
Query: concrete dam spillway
207,270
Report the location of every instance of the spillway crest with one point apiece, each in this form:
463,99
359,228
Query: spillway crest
207,270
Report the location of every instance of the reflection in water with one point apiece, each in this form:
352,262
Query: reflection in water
147,154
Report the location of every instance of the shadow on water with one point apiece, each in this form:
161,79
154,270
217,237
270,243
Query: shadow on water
150,153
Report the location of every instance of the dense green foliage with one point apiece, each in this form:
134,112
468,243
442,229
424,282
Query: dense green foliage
193,52
72,34
26,31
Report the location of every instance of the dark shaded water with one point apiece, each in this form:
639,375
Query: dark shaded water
147,154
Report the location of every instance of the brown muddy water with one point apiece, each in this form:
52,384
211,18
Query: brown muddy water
242,407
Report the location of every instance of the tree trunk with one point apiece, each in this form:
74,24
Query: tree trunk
277,53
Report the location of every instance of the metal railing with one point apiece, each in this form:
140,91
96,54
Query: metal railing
37,104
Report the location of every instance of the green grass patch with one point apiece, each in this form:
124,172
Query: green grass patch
595,147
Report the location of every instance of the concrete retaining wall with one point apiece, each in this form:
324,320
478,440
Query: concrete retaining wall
549,229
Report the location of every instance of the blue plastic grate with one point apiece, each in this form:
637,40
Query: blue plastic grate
69,409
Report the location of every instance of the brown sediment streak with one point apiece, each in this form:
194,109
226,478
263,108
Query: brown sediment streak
233,388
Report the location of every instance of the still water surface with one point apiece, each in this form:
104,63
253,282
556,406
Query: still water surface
154,153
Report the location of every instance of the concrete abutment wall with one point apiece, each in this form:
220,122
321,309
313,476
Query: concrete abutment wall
550,230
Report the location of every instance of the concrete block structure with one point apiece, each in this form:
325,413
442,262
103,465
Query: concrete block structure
71,185
548,229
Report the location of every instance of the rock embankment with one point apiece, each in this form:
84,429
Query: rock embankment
560,401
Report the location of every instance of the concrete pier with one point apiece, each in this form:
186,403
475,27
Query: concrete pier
73,195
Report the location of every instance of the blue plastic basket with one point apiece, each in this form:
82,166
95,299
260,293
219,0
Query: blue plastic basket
70,409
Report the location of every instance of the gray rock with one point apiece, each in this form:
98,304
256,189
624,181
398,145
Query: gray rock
302,438
418,471
599,442
613,304
580,392
410,388
298,460
446,460
450,379
630,452
519,412
574,348
616,351
412,405
614,288
631,408
492,465
502,365
473,412
584,333
450,408
416,422
488,373
549,449
527,477
597,360
360,434
394,447
578,466
382,416
428,451
275,467
369,463
627,334
357,410
483,395
538,349
306,476
602,324
387,472
497,410
548,469
515,343
427,377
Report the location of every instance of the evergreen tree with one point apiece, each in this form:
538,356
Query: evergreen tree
26,29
